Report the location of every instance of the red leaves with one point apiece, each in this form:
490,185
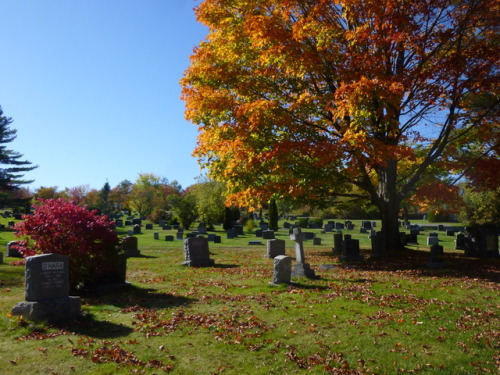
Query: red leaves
61,227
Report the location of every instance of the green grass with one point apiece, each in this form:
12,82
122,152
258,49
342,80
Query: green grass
378,316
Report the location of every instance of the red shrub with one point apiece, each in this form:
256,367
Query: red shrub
60,227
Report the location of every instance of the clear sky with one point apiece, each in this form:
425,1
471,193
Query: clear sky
93,88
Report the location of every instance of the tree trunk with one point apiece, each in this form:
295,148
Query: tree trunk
388,201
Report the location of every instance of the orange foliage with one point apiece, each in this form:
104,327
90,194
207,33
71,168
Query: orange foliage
295,97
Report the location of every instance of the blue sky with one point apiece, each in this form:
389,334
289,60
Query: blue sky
93,88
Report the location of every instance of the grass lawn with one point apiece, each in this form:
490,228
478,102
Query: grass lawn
384,316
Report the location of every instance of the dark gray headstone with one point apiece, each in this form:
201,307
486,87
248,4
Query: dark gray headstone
196,253
267,234
156,235
350,250
11,252
337,243
316,241
149,226
275,247
129,246
169,238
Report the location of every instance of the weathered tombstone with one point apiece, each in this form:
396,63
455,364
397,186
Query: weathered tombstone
264,226
202,229
350,250
258,233
317,241
267,234
149,226
460,241
196,253
432,240
47,290
169,238
179,235
129,246
337,243
301,268
282,270
11,251
156,235
137,229
275,247
231,233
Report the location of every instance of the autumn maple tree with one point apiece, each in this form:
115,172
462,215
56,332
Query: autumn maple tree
315,98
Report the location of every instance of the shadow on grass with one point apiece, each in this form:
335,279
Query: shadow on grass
454,265
134,296
226,265
87,325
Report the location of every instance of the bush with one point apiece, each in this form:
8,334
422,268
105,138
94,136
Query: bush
60,227
249,226
303,222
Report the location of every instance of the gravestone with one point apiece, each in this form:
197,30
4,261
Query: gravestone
1,258
179,235
337,243
282,270
339,225
286,225
350,250
238,229
432,240
196,253
254,243
267,234
258,233
436,259
129,246
149,226
169,238
349,226
11,252
481,241
328,228
211,237
119,223
47,290
317,241
301,268
366,224
460,241
136,222
264,226
168,227
308,235
137,229
218,239
161,223
156,235
202,229
275,247
231,233
128,223
363,230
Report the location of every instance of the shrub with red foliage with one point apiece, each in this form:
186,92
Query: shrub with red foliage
60,227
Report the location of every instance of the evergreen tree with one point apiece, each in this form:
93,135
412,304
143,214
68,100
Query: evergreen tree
12,168
273,214
105,205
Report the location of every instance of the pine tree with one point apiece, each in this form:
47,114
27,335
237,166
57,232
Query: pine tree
273,214
12,168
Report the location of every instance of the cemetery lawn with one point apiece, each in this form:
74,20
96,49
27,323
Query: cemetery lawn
384,316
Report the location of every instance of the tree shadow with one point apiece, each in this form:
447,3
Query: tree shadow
87,325
453,265
135,296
